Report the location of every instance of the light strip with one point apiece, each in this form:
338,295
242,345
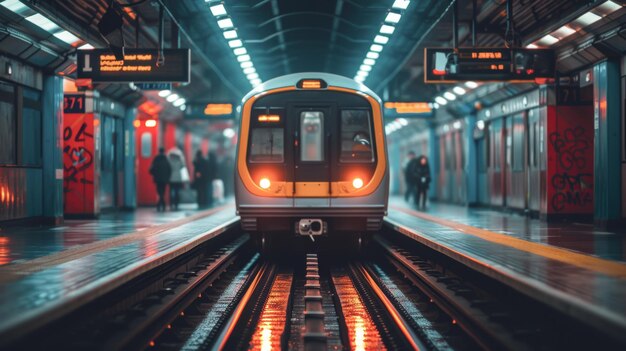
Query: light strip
225,22
388,28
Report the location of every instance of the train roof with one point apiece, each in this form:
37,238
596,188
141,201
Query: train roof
293,79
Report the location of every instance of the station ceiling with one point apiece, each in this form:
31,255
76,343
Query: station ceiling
287,36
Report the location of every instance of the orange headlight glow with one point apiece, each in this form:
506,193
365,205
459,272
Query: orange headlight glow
357,183
265,183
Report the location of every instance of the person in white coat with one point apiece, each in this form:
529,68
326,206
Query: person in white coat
179,172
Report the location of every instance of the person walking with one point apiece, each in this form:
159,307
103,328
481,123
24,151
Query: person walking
177,162
409,178
201,179
422,178
161,171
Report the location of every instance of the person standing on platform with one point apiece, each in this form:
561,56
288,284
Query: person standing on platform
161,172
422,179
179,175
409,178
201,179
211,175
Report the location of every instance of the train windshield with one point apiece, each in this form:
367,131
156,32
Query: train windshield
267,145
312,131
356,137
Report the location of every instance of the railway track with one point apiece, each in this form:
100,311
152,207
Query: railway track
397,295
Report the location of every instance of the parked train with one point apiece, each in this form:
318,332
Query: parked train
312,157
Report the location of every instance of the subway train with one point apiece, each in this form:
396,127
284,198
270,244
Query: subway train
311,158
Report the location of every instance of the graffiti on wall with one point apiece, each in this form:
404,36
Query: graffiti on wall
77,156
572,183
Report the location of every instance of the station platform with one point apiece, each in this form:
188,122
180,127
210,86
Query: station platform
569,266
101,255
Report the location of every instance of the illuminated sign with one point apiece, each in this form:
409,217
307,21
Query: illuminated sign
445,65
311,84
73,103
217,110
138,65
408,107
153,86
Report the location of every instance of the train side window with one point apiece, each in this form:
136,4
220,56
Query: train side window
312,136
356,137
267,145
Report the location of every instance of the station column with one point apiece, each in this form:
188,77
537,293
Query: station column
606,106
471,174
52,153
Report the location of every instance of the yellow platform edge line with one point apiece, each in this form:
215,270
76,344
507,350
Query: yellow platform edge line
596,264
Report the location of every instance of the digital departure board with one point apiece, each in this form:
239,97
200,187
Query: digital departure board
446,65
138,65
210,111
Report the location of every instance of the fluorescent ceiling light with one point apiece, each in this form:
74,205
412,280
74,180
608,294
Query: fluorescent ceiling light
441,101
531,46
164,93
256,81
246,64
458,90
243,58
435,105
471,84
457,124
15,6
448,95
228,132
393,17
240,51
401,4
43,22
365,68
183,107
230,34
218,10
376,48
403,121
225,23
369,61
607,7
359,79
179,102
563,32
588,19
249,70
235,43
252,76
387,29
362,73
372,55
172,98
67,37
381,39
548,40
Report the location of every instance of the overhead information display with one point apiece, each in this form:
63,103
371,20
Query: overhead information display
138,65
444,65
210,110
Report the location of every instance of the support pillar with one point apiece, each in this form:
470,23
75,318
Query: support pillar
130,168
607,143
433,158
52,128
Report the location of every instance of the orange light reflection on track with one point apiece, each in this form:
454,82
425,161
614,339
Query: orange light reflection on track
273,318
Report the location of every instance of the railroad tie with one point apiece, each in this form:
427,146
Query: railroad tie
314,329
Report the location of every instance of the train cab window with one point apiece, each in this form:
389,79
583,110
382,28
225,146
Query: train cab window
267,145
146,145
312,136
356,137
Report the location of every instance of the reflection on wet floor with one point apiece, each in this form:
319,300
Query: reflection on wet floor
273,318
27,242
573,235
362,331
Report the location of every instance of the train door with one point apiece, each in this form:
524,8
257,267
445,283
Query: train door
534,152
312,153
516,161
496,179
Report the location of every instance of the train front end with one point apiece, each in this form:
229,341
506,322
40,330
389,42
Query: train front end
312,157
